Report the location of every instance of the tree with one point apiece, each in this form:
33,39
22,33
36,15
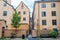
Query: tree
16,20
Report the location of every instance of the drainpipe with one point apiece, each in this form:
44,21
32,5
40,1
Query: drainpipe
38,20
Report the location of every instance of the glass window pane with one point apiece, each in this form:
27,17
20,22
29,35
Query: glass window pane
43,14
43,5
53,13
43,22
19,12
5,3
24,12
4,13
54,22
24,19
53,5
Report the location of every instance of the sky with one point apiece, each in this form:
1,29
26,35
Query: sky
29,3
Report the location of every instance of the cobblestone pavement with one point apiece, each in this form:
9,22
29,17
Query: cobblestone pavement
50,38
32,39
16,39
38,39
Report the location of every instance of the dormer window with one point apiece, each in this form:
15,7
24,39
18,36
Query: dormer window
5,4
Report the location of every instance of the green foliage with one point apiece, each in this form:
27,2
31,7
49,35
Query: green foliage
16,20
53,33
2,38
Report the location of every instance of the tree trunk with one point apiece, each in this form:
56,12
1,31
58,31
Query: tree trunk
15,32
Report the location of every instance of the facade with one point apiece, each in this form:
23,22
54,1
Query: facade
6,14
46,14
24,11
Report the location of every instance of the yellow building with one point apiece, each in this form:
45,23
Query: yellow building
6,14
24,11
46,14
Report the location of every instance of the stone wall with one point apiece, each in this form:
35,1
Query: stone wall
36,33
18,33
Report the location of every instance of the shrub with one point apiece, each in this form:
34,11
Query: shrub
53,34
2,38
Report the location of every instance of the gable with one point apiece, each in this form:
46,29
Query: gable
22,6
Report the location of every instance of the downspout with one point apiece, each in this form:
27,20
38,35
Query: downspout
38,20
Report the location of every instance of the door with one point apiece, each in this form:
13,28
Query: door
3,28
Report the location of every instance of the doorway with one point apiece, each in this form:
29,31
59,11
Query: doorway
3,29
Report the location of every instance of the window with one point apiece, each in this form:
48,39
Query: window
5,3
53,5
43,0
43,22
43,5
24,19
54,22
43,14
44,28
22,6
3,29
53,13
4,13
19,12
24,12
55,29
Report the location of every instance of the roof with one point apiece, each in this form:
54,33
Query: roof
48,1
22,3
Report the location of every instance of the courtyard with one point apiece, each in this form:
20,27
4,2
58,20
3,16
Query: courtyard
31,39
